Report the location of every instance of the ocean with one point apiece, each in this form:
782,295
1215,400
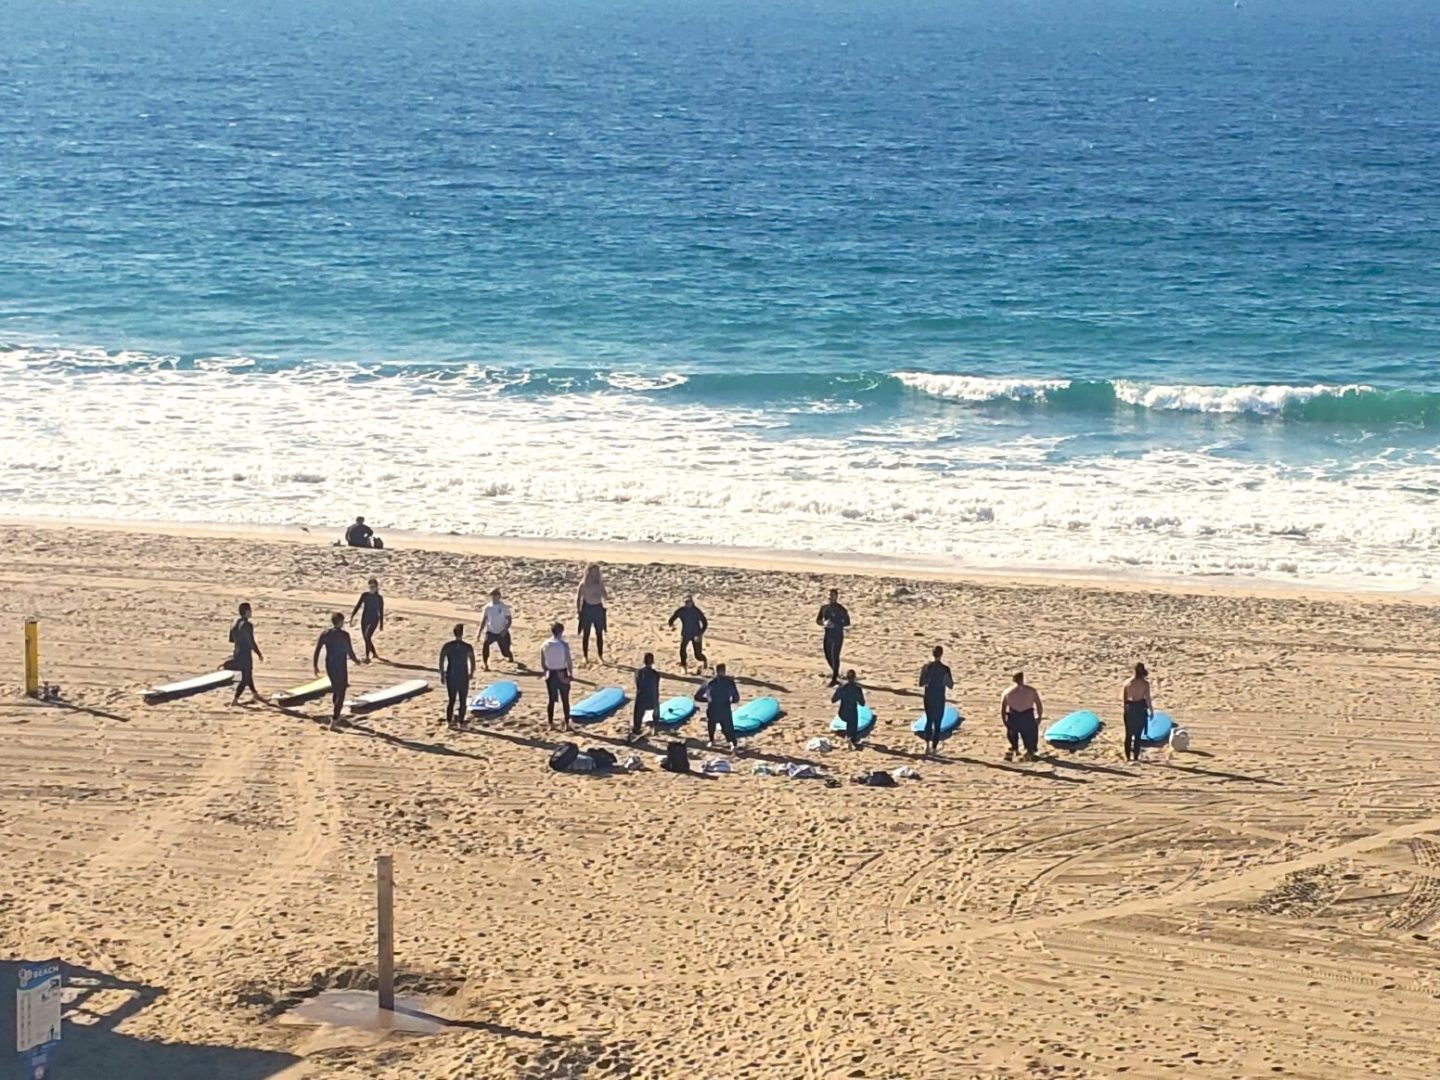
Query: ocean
1147,287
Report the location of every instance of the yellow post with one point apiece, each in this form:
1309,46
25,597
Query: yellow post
32,657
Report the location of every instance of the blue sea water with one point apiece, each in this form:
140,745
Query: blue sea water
1138,284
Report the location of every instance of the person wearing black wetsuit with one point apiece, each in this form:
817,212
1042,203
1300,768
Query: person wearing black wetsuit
1138,711
849,696
720,695
647,696
360,534
371,609
242,637
693,625
834,618
339,654
935,679
457,668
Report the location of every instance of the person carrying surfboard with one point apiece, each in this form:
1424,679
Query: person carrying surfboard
693,625
495,623
590,604
457,668
339,653
1138,711
1022,710
647,698
720,695
559,668
242,637
935,680
834,618
849,696
371,609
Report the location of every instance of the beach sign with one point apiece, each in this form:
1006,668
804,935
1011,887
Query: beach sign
31,993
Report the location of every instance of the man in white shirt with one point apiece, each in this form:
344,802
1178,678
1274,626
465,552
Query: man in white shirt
559,669
495,626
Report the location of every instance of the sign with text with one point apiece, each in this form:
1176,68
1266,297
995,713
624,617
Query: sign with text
31,1000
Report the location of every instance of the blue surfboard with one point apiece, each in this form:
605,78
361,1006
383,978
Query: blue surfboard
1157,730
598,705
1074,729
866,725
948,723
496,699
675,711
756,715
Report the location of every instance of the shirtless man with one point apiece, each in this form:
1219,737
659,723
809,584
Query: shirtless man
1138,711
1022,710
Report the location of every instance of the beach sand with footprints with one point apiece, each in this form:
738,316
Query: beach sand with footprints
1267,904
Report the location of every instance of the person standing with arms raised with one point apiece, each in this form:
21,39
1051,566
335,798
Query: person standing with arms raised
371,609
495,623
720,696
246,652
590,604
457,668
1138,711
559,669
339,653
693,625
835,619
935,680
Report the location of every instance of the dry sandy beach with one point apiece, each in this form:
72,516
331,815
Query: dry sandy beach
1262,906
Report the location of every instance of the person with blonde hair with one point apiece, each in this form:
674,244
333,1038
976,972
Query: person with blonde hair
590,605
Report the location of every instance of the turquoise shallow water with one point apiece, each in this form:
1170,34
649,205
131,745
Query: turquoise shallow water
1105,283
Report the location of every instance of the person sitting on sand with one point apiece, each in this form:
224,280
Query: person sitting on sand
559,668
495,623
849,696
693,625
1022,710
834,618
935,680
1138,711
371,608
720,696
457,668
590,604
360,535
647,697
246,652
339,654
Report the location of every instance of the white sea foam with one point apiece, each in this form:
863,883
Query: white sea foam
1259,400
215,445
976,388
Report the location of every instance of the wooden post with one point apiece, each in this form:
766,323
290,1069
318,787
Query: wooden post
385,927
32,657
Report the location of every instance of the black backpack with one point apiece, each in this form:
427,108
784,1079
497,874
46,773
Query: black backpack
604,759
677,758
564,756
875,779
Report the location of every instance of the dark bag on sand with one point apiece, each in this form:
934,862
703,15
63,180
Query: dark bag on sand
875,779
376,543
603,758
677,758
564,756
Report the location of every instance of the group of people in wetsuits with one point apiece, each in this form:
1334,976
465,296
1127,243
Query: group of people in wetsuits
1021,708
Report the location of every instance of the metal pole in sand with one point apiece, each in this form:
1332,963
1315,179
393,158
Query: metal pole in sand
385,928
